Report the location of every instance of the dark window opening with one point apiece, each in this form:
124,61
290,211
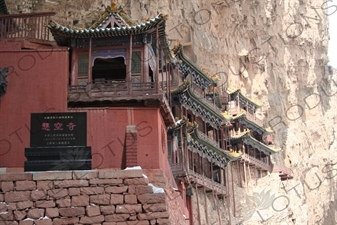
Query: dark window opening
111,69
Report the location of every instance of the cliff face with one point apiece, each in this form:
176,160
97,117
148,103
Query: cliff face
276,52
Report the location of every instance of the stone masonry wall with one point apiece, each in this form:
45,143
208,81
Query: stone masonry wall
108,197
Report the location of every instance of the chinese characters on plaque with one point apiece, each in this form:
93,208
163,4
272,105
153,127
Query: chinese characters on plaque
58,129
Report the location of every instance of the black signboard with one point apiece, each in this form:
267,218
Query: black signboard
58,129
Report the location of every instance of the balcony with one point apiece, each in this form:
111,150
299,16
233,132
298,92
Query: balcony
178,170
209,140
31,26
256,162
113,92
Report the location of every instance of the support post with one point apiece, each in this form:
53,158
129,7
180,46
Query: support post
196,192
234,207
129,69
90,63
157,59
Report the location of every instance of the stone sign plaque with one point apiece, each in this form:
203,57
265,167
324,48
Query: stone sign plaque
58,129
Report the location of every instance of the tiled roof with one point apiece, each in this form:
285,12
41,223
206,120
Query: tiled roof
3,7
249,140
232,91
62,33
186,67
213,153
242,117
199,105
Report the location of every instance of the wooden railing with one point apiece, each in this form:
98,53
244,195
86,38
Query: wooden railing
256,162
254,119
102,90
206,182
178,170
206,138
28,26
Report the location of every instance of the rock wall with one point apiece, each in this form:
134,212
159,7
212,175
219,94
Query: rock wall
109,197
275,51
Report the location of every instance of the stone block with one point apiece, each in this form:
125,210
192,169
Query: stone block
38,195
11,206
17,196
92,210
65,221
71,183
43,222
120,174
15,176
74,191
62,203
91,220
52,212
92,190
45,204
7,186
117,199
19,215
107,210
100,199
128,208
152,215
81,200
143,189
45,185
2,197
130,199
85,174
106,181
136,181
109,223
53,175
117,217
152,198
25,185
163,221
134,223
58,193
35,213
3,207
132,189
24,205
159,207
25,222
72,212
116,190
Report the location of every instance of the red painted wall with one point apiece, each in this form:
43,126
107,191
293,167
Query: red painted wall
38,81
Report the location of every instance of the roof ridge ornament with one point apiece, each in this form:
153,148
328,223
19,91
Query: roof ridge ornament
113,6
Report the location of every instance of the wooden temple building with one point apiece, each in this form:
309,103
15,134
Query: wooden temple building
131,84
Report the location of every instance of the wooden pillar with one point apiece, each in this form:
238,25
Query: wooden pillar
234,206
145,75
206,211
90,63
228,198
157,60
244,173
240,175
216,199
128,79
74,67
197,195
